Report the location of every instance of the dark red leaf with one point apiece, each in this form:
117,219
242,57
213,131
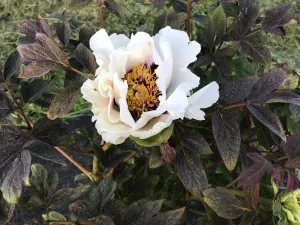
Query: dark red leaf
292,145
253,174
293,163
293,182
251,193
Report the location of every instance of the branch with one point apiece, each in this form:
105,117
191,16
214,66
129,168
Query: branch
100,5
79,72
86,172
264,201
189,12
235,181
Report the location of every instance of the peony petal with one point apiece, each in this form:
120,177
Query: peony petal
146,116
125,114
114,133
184,52
119,40
153,127
205,97
177,102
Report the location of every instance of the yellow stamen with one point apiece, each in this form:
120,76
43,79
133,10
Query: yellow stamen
143,92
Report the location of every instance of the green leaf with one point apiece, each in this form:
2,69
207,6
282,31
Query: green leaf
223,203
54,216
290,83
6,106
38,178
167,218
73,5
33,90
141,214
191,171
65,195
155,160
100,194
86,58
83,209
227,134
155,140
64,101
268,118
18,172
172,19
85,35
215,28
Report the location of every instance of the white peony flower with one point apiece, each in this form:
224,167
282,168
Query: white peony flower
143,84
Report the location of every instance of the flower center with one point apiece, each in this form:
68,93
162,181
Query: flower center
143,92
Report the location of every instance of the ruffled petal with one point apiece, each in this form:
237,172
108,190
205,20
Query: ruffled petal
101,45
114,133
119,40
153,127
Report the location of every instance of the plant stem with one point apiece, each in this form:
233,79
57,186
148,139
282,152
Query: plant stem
230,107
96,167
86,172
249,35
21,111
264,201
79,72
232,183
78,151
189,16
100,5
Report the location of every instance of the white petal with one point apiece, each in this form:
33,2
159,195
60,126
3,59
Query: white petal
153,127
118,60
101,46
119,40
184,52
194,113
177,102
125,114
146,116
115,133
205,97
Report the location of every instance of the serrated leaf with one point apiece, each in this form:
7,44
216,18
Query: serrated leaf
196,143
246,19
63,31
292,145
6,106
30,28
114,8
230,7
44,151
224,203
102,193
179,6
114,208
268,118
157,139
191,171
227,135
256,51
64,101
268,83
11,185
141,214
54,216
33,90
45,51
86,58
12,65
237,90
106,221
